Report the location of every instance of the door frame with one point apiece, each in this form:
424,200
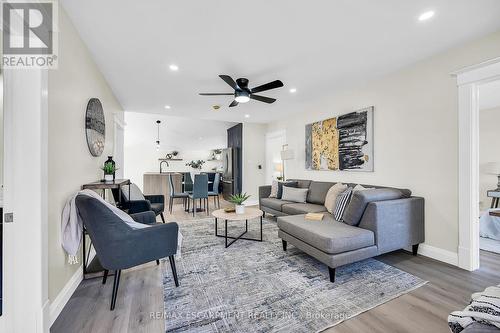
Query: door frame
25,243
468,81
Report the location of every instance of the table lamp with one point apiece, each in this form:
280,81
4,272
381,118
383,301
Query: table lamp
286,154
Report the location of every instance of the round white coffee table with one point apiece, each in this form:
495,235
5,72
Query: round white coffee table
250,214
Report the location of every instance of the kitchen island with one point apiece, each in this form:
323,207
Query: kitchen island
157,183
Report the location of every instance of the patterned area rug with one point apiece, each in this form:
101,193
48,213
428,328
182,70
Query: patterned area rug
257,287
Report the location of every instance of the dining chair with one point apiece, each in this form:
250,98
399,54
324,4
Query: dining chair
215,190
187,182
175,195
200,191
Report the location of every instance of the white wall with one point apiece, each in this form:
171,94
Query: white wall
489,151
70,163
254,155
415,134
193,138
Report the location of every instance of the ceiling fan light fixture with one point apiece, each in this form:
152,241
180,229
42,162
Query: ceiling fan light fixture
242,99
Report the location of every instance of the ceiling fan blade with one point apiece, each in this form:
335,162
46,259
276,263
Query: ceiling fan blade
234,103
217,94
263,98
267,86
229,81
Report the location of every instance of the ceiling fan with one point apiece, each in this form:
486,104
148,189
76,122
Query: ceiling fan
243,94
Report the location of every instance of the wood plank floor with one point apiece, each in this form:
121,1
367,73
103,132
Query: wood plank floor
422,310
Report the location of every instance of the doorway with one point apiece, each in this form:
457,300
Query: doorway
469,81
274,144
489,166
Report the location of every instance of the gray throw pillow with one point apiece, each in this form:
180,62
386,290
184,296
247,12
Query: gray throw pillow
294,194
280,187
360,199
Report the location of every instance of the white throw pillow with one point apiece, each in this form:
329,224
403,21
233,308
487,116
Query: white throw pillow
361,188
294,194
332,194
274,189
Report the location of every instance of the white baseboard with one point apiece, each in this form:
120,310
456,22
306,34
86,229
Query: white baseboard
64,295
438,254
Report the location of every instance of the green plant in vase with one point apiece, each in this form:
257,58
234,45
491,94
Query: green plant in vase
238,200
109,171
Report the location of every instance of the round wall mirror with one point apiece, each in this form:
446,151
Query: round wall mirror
95,127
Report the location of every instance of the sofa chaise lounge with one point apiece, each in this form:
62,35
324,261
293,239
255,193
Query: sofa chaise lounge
381,220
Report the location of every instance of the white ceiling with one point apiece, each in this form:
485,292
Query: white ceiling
489,95
176,133
316,46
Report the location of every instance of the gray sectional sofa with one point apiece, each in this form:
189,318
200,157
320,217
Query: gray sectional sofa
379,221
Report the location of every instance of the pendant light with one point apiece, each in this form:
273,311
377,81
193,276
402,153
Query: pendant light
158,136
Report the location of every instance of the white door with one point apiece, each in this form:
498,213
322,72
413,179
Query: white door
25,301
274,144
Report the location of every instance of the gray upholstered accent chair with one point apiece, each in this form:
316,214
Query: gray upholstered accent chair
175,195
215,190
200,192
138,202
118,246
187,182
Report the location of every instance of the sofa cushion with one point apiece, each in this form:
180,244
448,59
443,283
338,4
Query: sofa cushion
328,235
302,183
273,203
331,196
280,187
302,208
317,192
294,194
361,199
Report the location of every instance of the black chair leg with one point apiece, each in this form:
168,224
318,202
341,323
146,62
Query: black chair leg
218,201
170,202
105,277
115,289
331,271
174,271
157,261
162,217
414,249
207,205
284,244
194,207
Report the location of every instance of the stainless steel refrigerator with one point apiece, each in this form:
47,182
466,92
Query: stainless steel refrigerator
230,172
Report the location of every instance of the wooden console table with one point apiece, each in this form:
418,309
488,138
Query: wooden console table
94,268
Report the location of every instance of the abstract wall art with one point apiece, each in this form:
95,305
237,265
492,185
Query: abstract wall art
341,143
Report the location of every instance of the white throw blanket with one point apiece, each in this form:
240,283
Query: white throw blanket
72,225
489,226
484,308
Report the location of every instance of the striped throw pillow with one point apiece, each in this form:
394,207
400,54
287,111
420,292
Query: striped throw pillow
341,204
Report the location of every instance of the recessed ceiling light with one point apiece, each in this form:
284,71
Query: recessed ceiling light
173,67
167,107
247,116
293,90
425,16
